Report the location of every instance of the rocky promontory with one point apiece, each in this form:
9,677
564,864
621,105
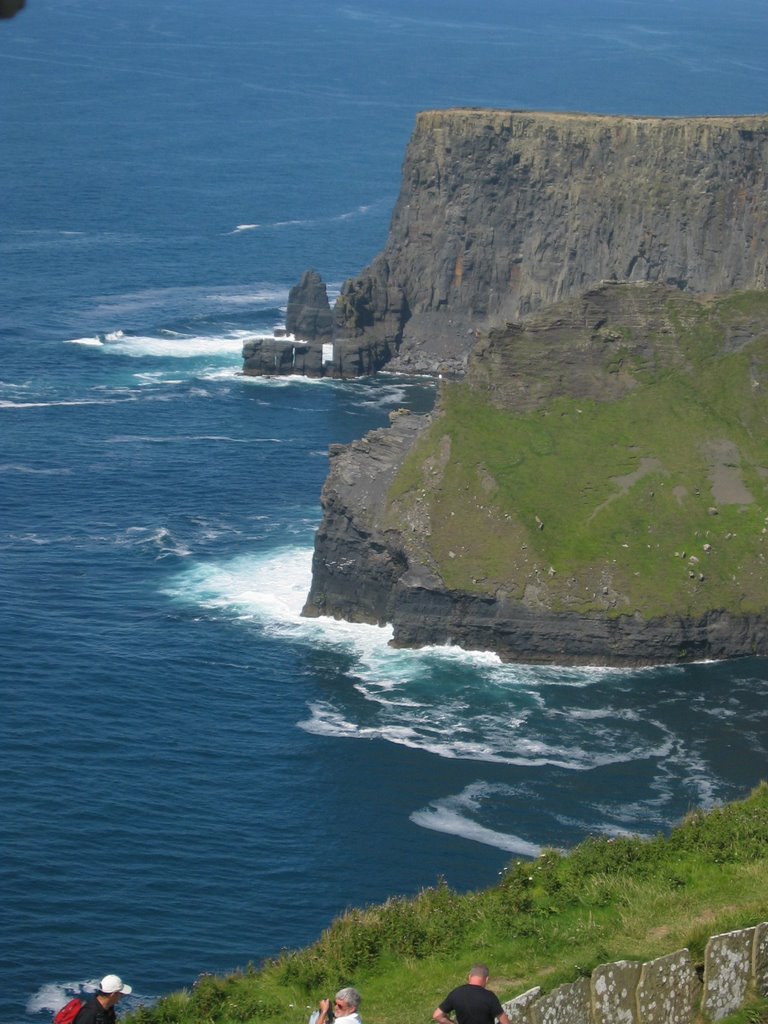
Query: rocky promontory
595,490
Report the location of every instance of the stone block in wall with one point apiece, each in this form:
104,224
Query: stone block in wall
760,959
614,987
665,991
568,1004
727,972
518,1009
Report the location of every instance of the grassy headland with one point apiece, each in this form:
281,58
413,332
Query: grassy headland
545,922
609,456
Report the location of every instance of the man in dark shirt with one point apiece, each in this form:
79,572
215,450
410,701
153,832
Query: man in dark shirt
472,1003
101,1008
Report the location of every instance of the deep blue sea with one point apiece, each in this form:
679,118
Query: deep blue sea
193,776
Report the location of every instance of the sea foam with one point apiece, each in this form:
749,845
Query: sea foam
14,467
446,701
191,300
175,346
459,815
51,996
94,341
442,819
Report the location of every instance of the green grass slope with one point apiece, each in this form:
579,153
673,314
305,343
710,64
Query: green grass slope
610,456
546,922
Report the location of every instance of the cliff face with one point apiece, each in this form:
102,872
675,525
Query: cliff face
595,491
502,213
357,563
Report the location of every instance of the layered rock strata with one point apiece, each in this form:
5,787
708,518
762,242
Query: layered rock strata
361,573
357,566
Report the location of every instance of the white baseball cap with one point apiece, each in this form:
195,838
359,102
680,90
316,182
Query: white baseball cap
112,984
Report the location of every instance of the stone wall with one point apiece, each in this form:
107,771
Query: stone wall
668,990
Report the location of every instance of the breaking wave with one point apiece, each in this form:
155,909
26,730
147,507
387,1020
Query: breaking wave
450,702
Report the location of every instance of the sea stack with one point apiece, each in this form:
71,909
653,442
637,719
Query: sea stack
309,316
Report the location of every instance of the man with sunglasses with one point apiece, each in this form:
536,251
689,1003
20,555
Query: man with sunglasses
344,1005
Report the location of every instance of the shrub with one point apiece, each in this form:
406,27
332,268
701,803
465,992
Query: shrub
734,832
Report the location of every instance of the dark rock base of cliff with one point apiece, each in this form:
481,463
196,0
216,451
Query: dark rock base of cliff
424,617
519,634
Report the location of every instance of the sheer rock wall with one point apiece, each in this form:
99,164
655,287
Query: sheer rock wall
501,213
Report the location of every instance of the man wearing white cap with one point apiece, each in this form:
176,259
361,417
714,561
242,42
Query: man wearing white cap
101,1009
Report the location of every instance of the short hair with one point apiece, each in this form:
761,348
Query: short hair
478,971
350,996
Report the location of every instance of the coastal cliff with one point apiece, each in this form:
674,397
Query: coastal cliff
593,485
595,490
502,213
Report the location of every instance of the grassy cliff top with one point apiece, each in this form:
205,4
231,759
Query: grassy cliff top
609,455
545,922
490,115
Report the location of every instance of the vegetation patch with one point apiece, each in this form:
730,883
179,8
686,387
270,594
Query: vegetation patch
655,502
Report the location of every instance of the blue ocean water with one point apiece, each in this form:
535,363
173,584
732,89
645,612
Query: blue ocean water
194,777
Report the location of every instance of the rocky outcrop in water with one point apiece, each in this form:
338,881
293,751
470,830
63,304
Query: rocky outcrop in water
299,348
308,346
